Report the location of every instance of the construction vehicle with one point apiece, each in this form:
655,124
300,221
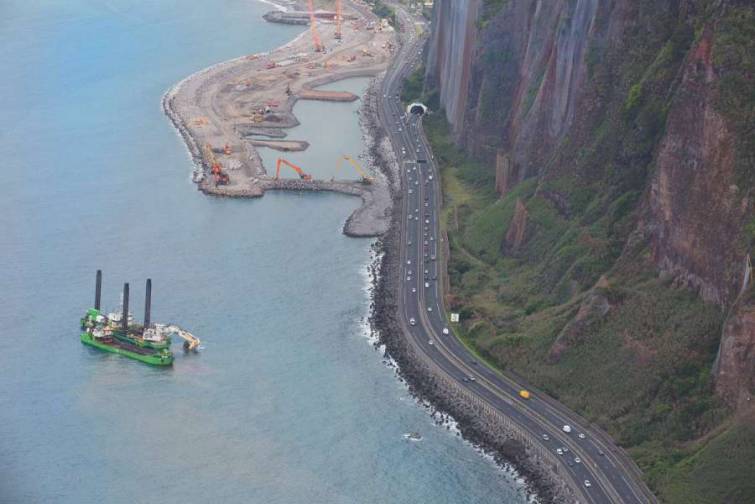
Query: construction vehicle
366,179
191,342
316,41
339,17
297,169
216,169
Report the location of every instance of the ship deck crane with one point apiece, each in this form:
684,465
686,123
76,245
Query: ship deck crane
313,27
297,169
366,179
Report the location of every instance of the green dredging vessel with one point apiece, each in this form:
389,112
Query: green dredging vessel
114,332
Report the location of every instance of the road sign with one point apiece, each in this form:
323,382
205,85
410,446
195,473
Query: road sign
454,317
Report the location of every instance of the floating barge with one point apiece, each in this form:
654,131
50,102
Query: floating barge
114,332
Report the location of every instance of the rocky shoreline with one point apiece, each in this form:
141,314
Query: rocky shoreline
478,425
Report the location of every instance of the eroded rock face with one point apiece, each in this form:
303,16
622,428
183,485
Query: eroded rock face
506,175
517,231
735,364
451,53
696,210
517,82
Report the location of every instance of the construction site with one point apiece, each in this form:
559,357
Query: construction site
227,111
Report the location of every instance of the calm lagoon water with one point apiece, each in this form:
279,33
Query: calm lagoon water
288,403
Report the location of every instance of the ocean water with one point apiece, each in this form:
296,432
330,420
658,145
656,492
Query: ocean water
288,402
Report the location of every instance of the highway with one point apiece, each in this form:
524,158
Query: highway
600,471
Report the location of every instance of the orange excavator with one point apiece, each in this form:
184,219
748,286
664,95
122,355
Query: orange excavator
216,169
298,170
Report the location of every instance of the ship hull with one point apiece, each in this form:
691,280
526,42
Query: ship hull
142,343
130,351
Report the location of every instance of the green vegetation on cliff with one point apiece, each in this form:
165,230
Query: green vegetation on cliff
559,227
640,366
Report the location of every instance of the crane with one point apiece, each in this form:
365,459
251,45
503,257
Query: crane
338,19
298,170
221,178
366,179
313,26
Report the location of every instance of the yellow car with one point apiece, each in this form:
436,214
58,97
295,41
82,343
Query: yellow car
525,394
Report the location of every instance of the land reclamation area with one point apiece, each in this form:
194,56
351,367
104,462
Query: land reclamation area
226,111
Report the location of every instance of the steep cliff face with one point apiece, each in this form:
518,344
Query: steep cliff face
696,209
451,49
617,98
521,88
601,236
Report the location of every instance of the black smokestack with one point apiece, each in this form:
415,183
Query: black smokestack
124,318
147,303
98,290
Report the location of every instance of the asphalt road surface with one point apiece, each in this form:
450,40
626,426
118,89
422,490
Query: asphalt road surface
602,471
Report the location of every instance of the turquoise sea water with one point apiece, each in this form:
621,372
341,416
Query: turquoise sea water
288,403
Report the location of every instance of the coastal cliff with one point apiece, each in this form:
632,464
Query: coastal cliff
598,165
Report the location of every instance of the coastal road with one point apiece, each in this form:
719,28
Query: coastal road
599,471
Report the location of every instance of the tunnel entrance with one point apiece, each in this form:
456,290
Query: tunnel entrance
417,109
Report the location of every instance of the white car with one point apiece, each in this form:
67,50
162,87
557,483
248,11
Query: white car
445,331
429,308
414,289
430,342
427,285
566,428
559,451
577,460
409,261
546,437
581,435
588,484
412,321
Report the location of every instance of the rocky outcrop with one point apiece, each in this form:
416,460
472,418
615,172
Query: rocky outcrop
506,175
593,308
735,364
517,229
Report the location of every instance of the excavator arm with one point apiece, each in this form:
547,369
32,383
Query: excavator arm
298,170
191,342
365,178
